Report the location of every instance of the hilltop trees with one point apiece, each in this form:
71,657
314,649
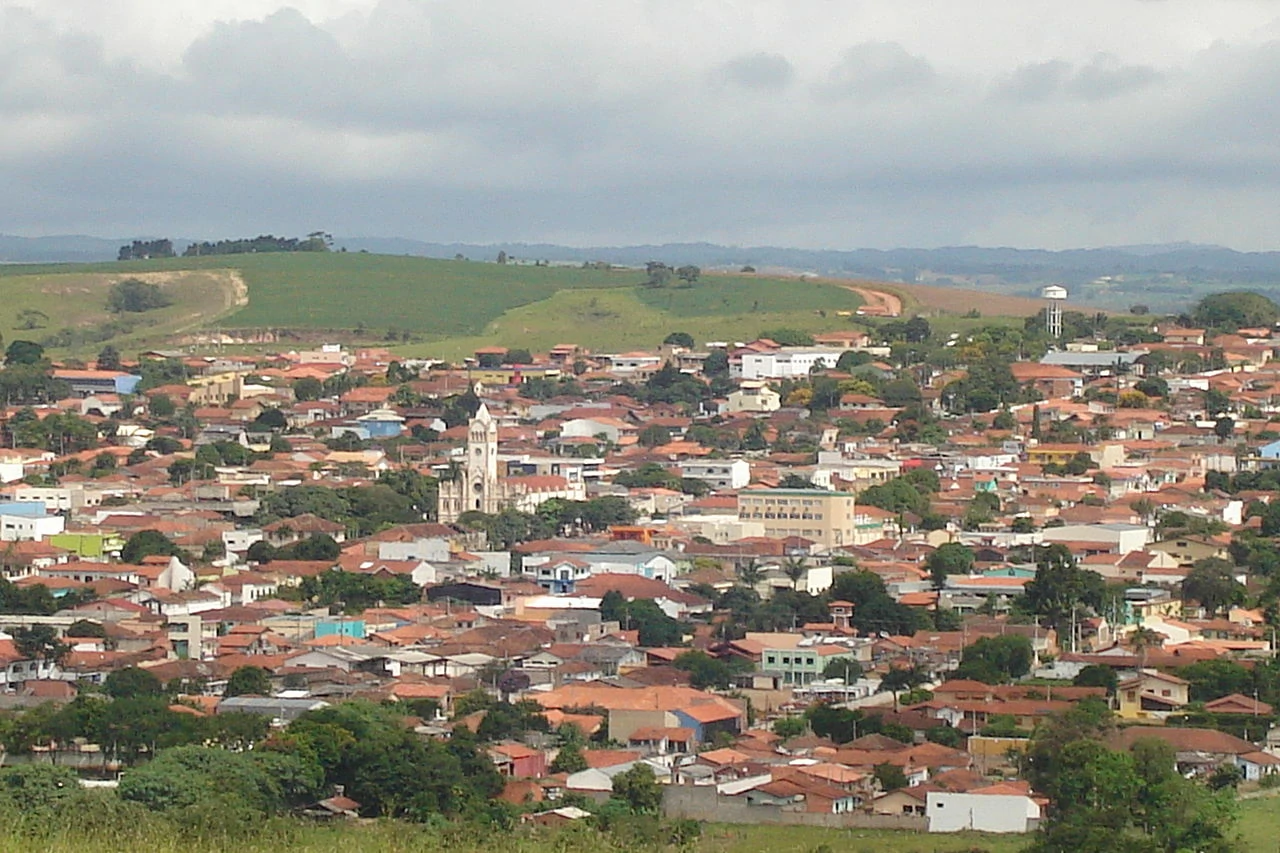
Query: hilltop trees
1235,309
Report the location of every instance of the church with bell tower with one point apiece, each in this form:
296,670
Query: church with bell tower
479,487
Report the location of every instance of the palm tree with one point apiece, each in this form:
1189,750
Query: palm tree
1142,639
794,568
751,574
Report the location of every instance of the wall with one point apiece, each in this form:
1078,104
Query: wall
701,802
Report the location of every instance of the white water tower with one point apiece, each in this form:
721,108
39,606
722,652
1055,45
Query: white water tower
1054,295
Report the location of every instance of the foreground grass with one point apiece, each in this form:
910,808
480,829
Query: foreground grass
1259,824
1259,829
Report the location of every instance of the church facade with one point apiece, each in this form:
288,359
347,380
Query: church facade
483,485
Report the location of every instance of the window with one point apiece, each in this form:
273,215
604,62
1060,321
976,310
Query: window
786,660
773,658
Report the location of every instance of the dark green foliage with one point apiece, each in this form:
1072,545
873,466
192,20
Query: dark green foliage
639,789
248,680
359,592
1234,310
143,250
187,776
788,337
314,242
897,495
23,352
387,768
994,660
656,627
1211,582
148,543
890,777
33,600
1097,675
61,433
132,296
568,760
131,682
950,558
1060,586
707,671
679,339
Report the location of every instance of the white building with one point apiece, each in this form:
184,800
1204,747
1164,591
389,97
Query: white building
30,528
790,363
718,473
999,808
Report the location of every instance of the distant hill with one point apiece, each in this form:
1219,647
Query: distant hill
894,263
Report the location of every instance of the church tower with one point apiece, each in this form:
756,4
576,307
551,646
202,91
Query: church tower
481,477
478,486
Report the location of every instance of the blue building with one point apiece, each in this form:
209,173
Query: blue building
382,423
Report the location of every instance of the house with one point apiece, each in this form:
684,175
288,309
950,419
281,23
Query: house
1151,693
753,397
518,761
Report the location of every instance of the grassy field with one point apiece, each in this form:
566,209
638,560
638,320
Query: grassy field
618,319
1260,825
77,302
449,307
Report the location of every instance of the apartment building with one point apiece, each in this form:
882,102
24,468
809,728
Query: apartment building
826,518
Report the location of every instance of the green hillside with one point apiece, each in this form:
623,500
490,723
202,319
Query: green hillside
447,306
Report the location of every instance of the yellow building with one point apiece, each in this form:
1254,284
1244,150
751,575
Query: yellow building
1151,694
826,518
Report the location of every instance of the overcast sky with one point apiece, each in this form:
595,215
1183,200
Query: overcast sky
810,123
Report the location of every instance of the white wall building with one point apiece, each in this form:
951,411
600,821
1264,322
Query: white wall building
718,473
787,363
981,812
30,528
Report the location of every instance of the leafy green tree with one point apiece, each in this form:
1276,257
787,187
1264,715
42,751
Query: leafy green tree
996,659
789,727
136,297
1060,586
639,789
308,388
843,667
40,643
1212,583
23,352
568,760
108,358
148,543
132,682
248,680
890,777
679,339
950,558
1097,675
1235,309
705,670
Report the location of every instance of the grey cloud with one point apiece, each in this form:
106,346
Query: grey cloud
757,71
878,68
438,121
1102,78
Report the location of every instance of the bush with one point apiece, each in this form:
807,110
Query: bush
135,297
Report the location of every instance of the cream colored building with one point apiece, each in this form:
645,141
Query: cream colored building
754,396
827,518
